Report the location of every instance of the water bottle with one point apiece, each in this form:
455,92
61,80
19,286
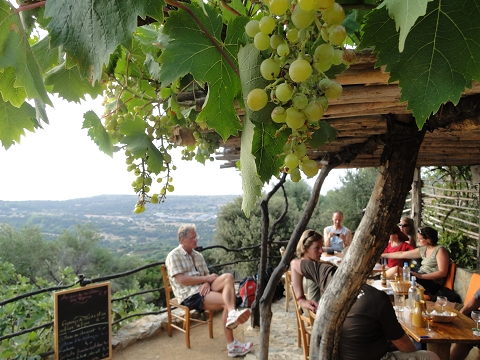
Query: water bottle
406,272
412,294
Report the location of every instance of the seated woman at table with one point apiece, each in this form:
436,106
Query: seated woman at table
397,242
408,228
367,330
435,261
310,247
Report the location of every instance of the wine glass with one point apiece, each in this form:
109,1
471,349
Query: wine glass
476,317
428,318
442,301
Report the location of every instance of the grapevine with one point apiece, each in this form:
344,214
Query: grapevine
158,116
300,42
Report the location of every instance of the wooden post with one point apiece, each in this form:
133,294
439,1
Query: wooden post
476,180
416,205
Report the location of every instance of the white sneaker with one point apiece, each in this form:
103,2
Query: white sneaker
239,349
237,317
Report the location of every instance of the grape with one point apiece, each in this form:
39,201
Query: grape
314,111
276,41
261,41
279,7
334,14
299,101
257,99
324,53
300,70
337,34
334,91
306,5
349,57
252,28
279,115
269,69
301,18
295,118
170,188
154,199
295,175
322,67
309,168
284,92
292,35
324,84
337,57
301,150
139,209
324,4
291,161
162,191
283,50
266,25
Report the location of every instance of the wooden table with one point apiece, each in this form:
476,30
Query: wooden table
442,335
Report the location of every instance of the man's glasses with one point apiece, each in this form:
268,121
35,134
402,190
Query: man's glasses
194,238
403,225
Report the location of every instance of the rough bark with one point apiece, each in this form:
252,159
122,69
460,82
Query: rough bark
382,213
267,235
266,299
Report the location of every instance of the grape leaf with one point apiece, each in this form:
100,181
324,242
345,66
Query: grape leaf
97,132
266,146
441,55
16,95
46,56
191,51
325,133
17,53
251,183
140,145
13,122
405,13
90,31
70,85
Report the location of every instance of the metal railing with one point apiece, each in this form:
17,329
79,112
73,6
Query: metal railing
82,281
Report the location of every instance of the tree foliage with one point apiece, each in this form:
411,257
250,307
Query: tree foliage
164,66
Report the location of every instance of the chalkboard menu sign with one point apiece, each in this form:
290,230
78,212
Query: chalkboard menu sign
82,325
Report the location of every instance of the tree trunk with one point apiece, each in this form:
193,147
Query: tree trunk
382,213
416,211
266,299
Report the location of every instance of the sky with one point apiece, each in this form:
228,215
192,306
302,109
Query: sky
61,162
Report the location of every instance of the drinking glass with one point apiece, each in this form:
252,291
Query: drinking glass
399,302
428,318
476,317
442,301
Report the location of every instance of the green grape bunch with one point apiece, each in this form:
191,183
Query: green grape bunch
302,40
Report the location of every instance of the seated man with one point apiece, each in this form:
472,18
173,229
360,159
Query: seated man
370,324
460,351
196,288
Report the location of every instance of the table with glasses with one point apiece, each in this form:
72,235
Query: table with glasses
442,335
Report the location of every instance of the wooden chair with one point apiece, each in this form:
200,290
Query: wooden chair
304,327
187,321
473,286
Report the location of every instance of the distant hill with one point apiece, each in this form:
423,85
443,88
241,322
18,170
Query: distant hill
148,234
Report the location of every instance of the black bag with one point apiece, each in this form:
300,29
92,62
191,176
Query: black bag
451,295
279,290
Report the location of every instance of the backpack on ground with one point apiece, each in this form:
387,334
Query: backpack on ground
246,292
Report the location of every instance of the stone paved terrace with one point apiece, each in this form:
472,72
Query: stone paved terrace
147,339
